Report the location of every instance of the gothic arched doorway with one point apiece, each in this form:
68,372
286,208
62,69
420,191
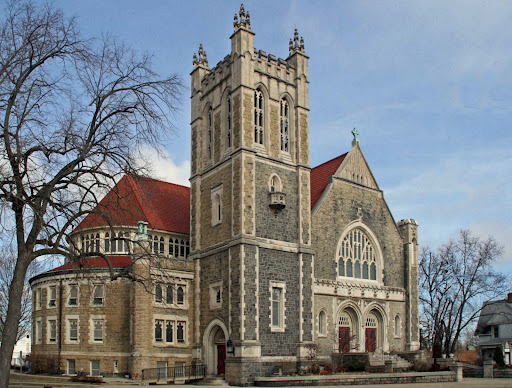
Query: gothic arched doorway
347,330
374,332
215,347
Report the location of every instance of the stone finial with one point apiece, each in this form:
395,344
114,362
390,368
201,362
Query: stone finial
356,139
200,59
296,44
243,19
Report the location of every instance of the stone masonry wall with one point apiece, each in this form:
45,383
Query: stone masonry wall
328,343
193,140
213,270
236,121
307,295
211,235
247,121
305,206
116,312
275,132
237,201
304,139
248,194
193,216
217,137
282,267
234,297
250,316
339,209
270,224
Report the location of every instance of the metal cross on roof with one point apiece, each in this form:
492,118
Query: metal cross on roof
355,133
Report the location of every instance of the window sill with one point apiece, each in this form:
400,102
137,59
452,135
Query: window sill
277,329
169,345
356,280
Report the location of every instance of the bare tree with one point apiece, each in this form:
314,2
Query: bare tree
73,113
454,281
7,265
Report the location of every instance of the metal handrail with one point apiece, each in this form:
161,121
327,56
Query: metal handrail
172,373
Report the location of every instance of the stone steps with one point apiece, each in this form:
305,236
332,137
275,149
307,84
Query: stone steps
213,381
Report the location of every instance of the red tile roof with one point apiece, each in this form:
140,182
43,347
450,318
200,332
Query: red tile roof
320,177
97,262
165,206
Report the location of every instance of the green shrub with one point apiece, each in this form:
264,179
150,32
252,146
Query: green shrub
498,357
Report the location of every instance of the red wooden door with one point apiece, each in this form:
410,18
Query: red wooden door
221,359
371,339
344,339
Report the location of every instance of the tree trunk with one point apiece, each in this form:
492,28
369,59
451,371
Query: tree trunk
11,326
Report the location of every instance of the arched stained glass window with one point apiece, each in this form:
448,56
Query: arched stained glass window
357,257
258,117
229,121
210,134
285,124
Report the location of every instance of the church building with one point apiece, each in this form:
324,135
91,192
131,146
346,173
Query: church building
260,258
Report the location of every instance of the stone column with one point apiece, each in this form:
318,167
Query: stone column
488,369
458,369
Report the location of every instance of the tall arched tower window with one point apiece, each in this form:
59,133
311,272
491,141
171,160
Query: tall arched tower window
285,125
258,117
229,122
210,133
357,257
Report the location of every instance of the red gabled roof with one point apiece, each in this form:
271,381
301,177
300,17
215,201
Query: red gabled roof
320,177
97,262
163,205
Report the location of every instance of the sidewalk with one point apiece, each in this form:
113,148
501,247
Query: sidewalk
63,382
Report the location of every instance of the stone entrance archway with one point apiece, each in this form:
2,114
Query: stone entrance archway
214,343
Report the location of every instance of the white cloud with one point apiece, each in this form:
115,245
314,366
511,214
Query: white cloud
463,191
163,167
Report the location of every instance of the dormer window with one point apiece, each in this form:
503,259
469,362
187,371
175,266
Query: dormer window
258,117
285,125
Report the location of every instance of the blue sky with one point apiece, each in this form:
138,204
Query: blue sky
428,85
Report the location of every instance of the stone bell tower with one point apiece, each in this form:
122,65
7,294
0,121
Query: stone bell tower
250,208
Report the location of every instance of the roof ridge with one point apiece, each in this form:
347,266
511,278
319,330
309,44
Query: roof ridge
159,180
330,160
135,189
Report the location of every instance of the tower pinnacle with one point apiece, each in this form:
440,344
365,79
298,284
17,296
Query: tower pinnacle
296,44
200,59
245,19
